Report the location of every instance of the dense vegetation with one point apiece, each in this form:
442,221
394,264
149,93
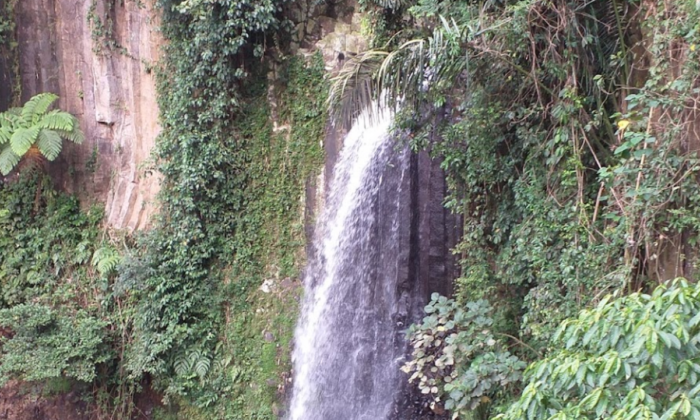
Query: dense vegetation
52,300
178,309
568,132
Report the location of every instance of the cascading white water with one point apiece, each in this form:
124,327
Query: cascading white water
348,343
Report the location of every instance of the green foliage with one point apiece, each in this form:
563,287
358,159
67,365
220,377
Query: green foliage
59,320
35,127
100,17
565,131
630,357
106,260
7,24
44,240
204,161
559,206
457,358
46,344
234,171
529,132
265,245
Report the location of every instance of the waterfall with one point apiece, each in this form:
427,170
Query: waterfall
349,341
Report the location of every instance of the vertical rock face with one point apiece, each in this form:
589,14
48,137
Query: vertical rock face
5,83
65,47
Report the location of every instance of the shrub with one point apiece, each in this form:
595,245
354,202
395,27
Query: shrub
634,357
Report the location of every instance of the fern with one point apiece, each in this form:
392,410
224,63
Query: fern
105,260
390,4
194,362
38,105
8,160
34,125
76,135
44,102
22,139
201,367
5,134
57,120
49,144
182,365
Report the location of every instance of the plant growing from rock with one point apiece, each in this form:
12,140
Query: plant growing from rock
457,358
35,132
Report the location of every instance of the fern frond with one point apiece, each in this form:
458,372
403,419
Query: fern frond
44,102
76,136
5,134
195,362
8,160
22,139
106,259
49,144
38,105
58,120
222,362
201,368
182,365
10,120
390,4
352,89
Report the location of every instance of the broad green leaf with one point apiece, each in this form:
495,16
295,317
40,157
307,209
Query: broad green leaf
37,106
49,144
22,139
8,160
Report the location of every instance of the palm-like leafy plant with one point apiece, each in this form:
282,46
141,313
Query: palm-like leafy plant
426,70
408,74
33,130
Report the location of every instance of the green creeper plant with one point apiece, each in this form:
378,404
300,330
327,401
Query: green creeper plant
634,357
457,357
34,131
48,344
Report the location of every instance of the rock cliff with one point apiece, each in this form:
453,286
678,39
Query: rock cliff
97,56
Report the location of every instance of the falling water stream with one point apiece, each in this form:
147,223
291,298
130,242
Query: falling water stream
349,344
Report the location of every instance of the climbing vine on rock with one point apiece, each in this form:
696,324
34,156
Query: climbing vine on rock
9,54
229,211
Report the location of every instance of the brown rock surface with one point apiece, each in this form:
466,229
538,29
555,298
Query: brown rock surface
111,90
18,403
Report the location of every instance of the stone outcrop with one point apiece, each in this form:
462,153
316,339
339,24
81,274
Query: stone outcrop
20,402
97,56
5,82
